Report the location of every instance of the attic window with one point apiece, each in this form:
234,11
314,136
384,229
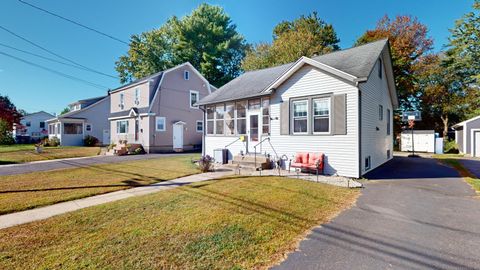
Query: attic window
380,68
186,75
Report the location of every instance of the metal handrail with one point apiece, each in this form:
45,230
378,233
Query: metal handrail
255,149
232,142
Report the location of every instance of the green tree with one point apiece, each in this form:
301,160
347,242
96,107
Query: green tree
206,38
409,41
6,136
65,110
305,36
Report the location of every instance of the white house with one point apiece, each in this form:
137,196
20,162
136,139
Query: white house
467,136
32,126
86,117
340,104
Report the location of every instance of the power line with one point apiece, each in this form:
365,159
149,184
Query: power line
74,22
55,72
41,56
55,54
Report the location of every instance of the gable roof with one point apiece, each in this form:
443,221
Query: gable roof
39,112
138,81
354,64
73,113
465,122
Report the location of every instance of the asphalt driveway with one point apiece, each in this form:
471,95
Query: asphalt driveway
73,163
415,214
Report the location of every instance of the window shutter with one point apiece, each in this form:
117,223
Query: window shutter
285,117
339,115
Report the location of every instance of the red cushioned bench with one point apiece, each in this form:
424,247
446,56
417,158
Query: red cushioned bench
309,161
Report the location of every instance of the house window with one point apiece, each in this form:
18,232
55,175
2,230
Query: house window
380,68
137,96
266,116
210,120
199,126
368,162
380,112
388,121
321,115
42,124
300,116
230,119
57,128
72,128
122,127
51,129
219,116
122,101
193,98
186,75
28,123
88,127
160,123
241,117
254,104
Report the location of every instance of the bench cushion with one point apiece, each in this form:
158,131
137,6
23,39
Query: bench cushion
301,157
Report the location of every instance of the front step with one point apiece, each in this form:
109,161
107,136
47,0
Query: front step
248,162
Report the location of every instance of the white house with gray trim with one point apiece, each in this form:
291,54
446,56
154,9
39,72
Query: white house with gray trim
340,104
467,136
86,117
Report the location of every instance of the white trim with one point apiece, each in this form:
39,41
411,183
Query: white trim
466,121
300,63
464,139
179,123
190,98
292,117
126,127
128,116
164,123
196,126
472,139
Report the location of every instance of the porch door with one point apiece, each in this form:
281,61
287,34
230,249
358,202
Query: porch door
253,130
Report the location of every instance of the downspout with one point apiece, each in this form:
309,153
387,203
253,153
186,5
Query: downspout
359,130
204,129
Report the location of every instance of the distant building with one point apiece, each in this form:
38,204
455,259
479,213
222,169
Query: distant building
32,127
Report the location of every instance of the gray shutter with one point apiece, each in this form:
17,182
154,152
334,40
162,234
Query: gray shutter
285,117
339,115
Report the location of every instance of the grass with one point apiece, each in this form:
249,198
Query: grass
21,153
452,160
232,223
26,191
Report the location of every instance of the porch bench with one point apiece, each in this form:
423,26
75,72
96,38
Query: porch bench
309,161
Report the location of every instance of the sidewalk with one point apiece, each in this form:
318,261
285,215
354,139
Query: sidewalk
27,216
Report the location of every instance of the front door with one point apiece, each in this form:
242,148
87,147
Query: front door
137,128
106,136
476,144
178,136
253,130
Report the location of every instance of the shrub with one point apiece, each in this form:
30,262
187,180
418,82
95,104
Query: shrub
6,136
450,147
54,142
139,151
90,141
111,146
205,163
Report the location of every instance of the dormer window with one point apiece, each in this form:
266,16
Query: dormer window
186,75
137,96
380,68
122,101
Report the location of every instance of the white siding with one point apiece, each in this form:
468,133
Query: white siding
375,143
341,151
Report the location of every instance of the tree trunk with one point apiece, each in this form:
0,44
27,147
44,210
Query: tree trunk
445,125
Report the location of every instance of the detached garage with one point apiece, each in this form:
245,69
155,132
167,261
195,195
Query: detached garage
467,136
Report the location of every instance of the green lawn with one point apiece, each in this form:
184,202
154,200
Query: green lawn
232,223
21,153
25,191
452,160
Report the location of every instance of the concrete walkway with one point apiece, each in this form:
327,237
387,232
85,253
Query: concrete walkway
27,216
46,165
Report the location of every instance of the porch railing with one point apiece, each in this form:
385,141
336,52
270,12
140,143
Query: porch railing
260,144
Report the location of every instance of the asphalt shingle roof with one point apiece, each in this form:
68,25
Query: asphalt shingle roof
357,61
127,113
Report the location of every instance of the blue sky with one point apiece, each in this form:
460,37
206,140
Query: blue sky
34,89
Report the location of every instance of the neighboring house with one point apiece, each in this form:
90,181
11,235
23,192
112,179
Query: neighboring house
32,127
87,117
340,104
467,136
159,111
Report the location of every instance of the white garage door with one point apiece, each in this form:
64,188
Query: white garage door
476,144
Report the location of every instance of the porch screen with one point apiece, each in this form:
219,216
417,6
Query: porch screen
72,128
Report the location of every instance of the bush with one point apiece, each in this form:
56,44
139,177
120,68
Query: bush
53,142
205,163
111,146
90,141
6,136
139,151
450,147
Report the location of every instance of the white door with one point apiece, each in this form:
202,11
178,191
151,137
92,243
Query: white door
253,130
106,136
476,144
178,136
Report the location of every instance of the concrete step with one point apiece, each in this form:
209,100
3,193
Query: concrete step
242,167
251,158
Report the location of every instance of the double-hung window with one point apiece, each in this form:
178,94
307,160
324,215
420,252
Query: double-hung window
122,127
211,120
137,96
160,123
72,128
300,116
266,116
199,126
193,98
219,119
241,108
230,119
321,115
122,101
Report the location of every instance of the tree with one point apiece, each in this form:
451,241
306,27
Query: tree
65,110
206,38
409,42
8,112
305,36
463,52
6,136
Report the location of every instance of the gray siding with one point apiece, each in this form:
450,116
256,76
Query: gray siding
374,139
467,135
459,139
97,116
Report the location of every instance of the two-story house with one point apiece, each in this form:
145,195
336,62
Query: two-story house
159,111
32,127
